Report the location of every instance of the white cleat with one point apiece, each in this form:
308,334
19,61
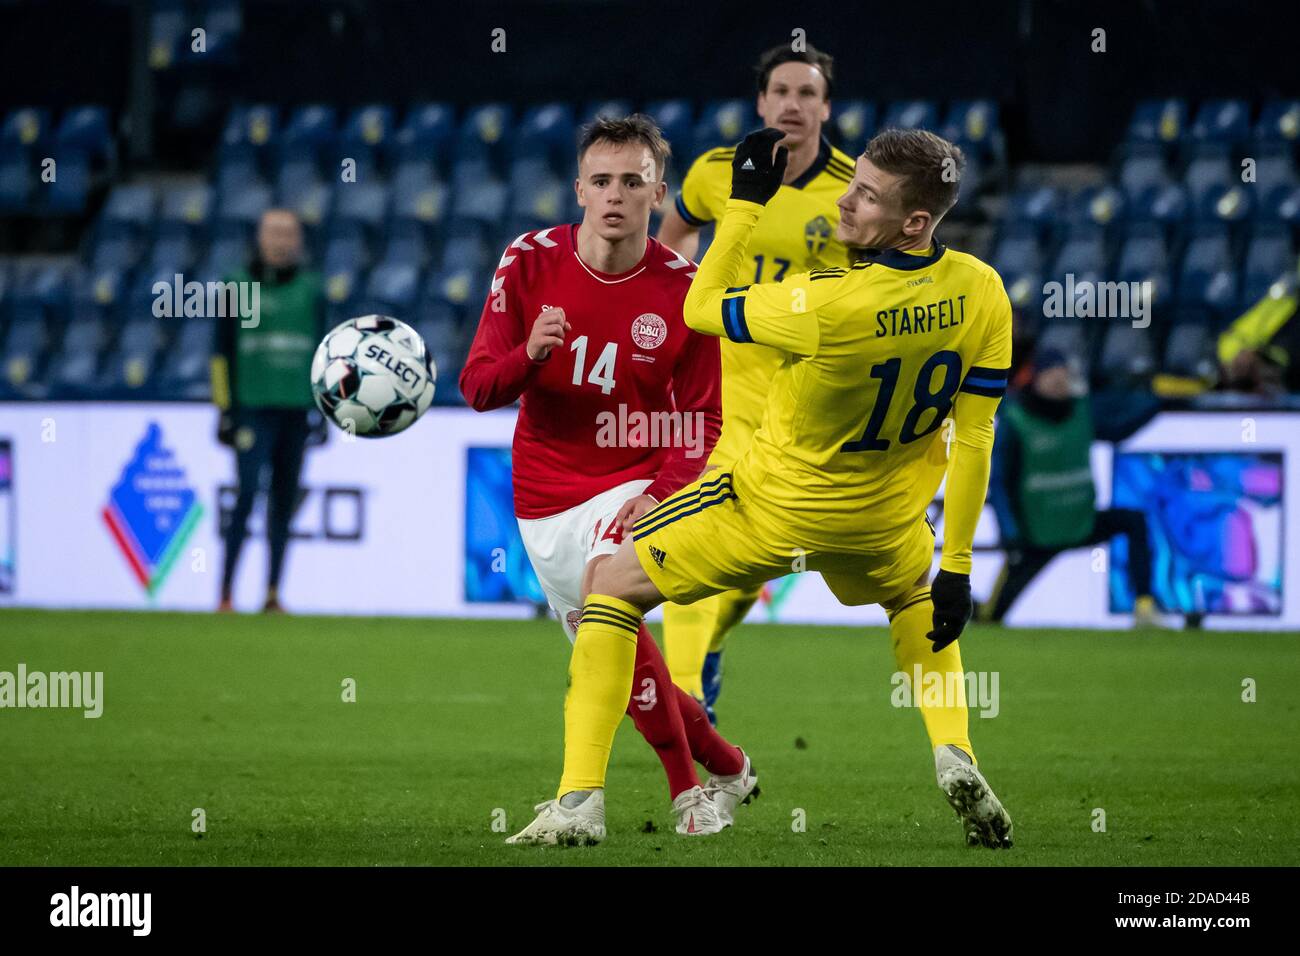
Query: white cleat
731,791
556,825
984,819
697,814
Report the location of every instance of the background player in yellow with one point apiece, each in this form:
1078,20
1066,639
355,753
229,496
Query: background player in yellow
898,364
795,234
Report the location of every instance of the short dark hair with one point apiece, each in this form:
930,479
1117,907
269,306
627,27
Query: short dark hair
637,128
771,59
931,168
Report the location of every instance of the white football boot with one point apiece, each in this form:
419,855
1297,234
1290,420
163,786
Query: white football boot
982,815
729,792
557,825
697,814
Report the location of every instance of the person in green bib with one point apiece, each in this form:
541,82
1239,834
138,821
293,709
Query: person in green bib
261,382
1041,485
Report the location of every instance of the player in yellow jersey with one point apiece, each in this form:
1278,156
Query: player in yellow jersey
795,234
853,445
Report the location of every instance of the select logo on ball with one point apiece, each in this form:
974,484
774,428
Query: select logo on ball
649,331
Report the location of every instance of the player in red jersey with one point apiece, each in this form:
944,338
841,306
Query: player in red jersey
620,405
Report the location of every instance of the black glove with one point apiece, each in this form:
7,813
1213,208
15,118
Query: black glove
317,429
226,428
952,607
755,176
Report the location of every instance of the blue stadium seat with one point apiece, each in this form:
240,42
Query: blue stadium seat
1208,276
1279,121
418,194
427,133
1069,336
1083,254
362,202
118,253
676,119
1284,208
223,22
1096,205
1229,203
1158,121
1037,206
346,255
168,33
74,367
536,194
1018,248
478,197
372,126
237,166
407,242
1222,121
312,202
1142,168
184,376
17,177
724,123
189,205
1269,254
172,251
973,125
1190,349
465,248
1167,205
1207,168
224,256
98,291
1144,257
256,125
911,114
132,205
70,191
26,126
23,359
86,128
1126,352
546,133
853,123
129,370
1275,174
484,134
299,186
245,203
392,288
603,109
311,130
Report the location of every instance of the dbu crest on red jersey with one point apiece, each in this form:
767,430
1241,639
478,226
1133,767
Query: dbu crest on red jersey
649,331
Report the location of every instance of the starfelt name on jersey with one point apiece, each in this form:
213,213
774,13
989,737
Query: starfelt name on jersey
944,314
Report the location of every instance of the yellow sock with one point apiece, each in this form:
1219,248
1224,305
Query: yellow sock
688,629
600,683
910,619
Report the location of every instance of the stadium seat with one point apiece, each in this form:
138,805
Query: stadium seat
1070,337
724,123
230,250
676,120
407,242
1275,174
237,166
361,202
537,197
1082,254
129,370
185,376
257,125
1126,352
97,292
1227,203
244,204
1269,254
603,109
418,198
484,134
168,33
73,369
1279,122
23,359
115,252
131,206
68,194
466,248
1144,257
392,288
1158,121
27,126
1208,277
853,123
1039,207
1018,250
1190,350
190,205
310,130
973,125
17,177
911,114
1166,205
1142,168
223,21
427,133
172,251
366,136
1207,168
547,134
1101,206
481,199
1222,121
86,128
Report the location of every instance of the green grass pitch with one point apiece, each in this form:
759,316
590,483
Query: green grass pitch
457,723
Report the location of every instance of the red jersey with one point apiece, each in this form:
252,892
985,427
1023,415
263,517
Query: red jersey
592,413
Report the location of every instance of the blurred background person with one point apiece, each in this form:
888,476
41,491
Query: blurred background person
1041,486
261,382
1258,353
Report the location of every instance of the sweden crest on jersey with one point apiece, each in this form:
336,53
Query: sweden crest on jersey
816,234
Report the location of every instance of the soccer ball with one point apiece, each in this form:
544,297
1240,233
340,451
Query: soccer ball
372,376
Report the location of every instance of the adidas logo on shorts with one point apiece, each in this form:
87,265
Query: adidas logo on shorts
657,555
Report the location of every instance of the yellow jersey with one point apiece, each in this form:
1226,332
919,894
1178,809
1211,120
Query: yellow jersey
853,444
796,234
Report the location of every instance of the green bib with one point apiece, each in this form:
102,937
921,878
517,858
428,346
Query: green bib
274,356
1056,496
